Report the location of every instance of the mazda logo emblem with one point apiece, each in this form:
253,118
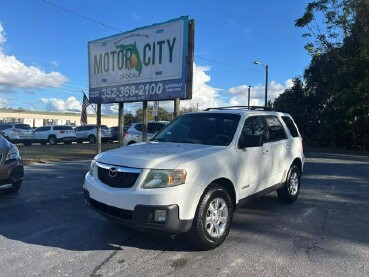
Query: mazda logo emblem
113,172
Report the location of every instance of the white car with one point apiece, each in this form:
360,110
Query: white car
134,133
17,133
55,133
89,133
194,173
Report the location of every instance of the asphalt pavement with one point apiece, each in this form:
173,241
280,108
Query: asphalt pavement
47,230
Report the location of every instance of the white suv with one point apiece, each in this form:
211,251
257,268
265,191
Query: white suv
89,133
55,133
134,133
18,133
194,173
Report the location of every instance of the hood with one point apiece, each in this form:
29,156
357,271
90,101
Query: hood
5,145
159,155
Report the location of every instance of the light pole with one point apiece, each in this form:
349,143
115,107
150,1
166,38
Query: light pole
266,81
248,98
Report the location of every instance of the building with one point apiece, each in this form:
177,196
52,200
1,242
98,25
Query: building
39,118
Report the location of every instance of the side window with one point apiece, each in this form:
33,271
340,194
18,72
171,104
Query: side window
138,127
42,129
253,127
275,128
4,127
291,126
151,128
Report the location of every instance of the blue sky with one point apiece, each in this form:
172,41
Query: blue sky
43,48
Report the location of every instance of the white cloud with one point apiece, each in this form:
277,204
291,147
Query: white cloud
257,93
60,105
3,103
2,35
202,93
15,74
55,63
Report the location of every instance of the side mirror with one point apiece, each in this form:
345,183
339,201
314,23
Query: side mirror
250,141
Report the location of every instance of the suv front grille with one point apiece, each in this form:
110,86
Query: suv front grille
119,180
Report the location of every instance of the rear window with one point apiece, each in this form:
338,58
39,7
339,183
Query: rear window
291,126
23,126
63,128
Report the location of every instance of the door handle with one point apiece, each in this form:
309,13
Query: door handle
288,147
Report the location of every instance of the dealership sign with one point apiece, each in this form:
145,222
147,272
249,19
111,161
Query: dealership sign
148,63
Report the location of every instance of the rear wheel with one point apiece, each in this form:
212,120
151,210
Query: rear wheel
52,140
92,139
290,191
212,220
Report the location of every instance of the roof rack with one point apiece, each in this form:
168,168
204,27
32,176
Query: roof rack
251,108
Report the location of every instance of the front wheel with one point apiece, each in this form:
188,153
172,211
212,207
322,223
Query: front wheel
212,220
290,191
16,186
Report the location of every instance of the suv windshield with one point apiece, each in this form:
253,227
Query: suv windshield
207,128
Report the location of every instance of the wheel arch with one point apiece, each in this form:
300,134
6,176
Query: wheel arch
228,185
298,163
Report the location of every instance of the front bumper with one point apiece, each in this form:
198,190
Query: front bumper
10,174
142,217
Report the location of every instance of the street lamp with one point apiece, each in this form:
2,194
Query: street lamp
266,81
248,98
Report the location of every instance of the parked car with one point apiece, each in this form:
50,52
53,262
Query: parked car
115,131
54,134
134,133
11,167
196,171
89,133
18,133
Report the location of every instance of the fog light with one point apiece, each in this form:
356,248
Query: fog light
160,216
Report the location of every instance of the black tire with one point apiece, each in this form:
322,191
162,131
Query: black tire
27,143
14,189
52,140
79,141
92,139
131,142
200,232
290,191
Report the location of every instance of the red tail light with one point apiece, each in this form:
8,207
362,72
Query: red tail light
125,133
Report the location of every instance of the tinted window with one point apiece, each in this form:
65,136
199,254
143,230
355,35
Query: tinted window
42,129
138,127
291,126
6,126
275,128
63,128
151,128
78,128
253,127
104,127
23,126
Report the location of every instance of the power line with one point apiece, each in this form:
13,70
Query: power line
116,29
227,64
80,15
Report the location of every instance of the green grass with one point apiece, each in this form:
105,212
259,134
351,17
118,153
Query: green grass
37,153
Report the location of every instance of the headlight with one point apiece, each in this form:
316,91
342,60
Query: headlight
92,168
13,154
164,178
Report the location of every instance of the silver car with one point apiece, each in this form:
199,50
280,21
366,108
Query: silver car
134,133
